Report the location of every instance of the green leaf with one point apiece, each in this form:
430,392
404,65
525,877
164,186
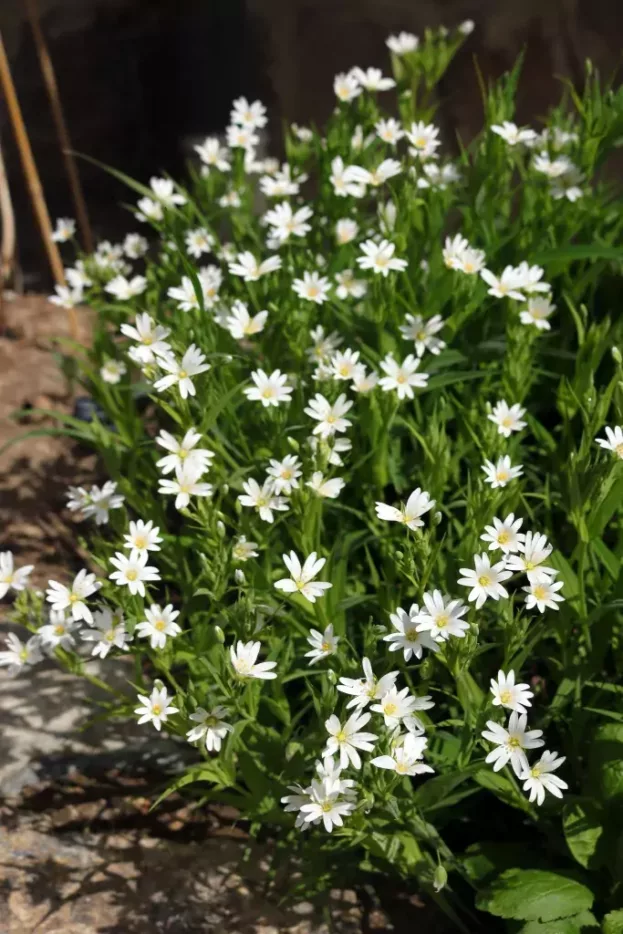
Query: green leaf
431,793
534,895
613,922
584,923
583,828
606,762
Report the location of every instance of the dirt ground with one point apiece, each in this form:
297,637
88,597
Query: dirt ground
80,850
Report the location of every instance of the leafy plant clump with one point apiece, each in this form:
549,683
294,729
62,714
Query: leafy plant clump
360,416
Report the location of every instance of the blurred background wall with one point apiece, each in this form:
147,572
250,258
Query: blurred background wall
140,80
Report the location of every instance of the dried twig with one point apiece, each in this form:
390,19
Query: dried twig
49,77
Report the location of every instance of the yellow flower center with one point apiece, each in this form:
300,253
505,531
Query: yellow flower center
330,419
401,378
267,393
619,450
341,736
411,635
535,771
503,538
468,267
286,474
131,575
529,565
539,592
23,655
514,742
312,291
483,580
110,635
326,646
442,621
160,625
147,340
140,541
401,768
390,709
505,697
507,421
420,142
502,476
327,806
156,710
59,630
183,374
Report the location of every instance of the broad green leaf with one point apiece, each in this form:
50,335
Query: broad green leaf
583,923
534,895
613,922
606,762
432,792
583,828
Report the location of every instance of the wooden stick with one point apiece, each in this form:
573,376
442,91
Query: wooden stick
49,77
7,254
33,180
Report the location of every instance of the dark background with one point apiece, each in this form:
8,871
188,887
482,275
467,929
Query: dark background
142,80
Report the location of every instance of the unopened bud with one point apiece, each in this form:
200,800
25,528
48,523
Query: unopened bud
440,878
616,355
399,555
219,635
331,675
239,575
220,528
225,489
437,517
293,443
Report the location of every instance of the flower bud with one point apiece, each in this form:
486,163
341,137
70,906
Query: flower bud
293,443
616,355
225,489
220,528
437,517
331,675
219,635
239,575
440,878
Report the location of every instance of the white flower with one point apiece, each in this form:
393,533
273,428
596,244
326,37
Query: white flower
400,706
403,43
180,372
472,261
504,535
101,501
511,742
231,198
184,295
512,134
133,571
419,502
347,738
241,137
542,594
243,549
269,390
432,175
164,192
466,28
530,279
324,344
124,289
149,336
251,269
262,498
12,578
247,114
301,578
348,286
73,598
402,377
325,488
344,364
186,484
20,654
212,154
538,778
510,695
66,297
286,223
343,181
613,440
453,250
108,632
534,551
424,140
322,802
441,617
313,287
245,664
64,230
387,169
330,417
59,632
158,624
184,453
135,246
322,644
77,277
507,418
199,241
363,381
241,324
406,757
285,474
379,257
112,371
149,210
553,168
538,311
372,79
505,286
281,184
485,579
568,186
423,333
502,472
156,708
346,87
366,689
143,537
212,728
408,636
345,231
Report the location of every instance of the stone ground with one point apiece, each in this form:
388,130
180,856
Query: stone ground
80,851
